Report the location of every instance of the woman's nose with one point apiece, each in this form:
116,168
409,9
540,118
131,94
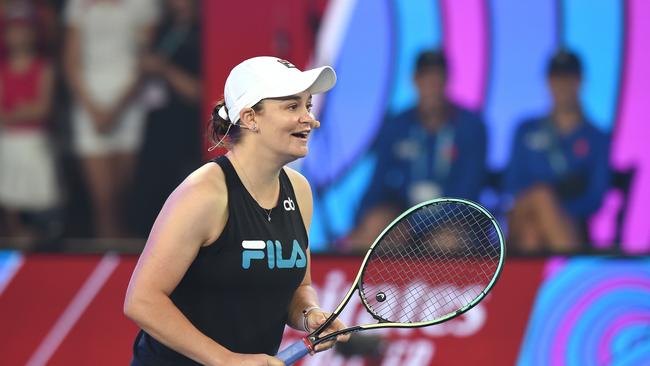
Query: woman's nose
311,119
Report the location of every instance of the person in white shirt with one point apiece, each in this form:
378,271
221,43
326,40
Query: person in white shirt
103,43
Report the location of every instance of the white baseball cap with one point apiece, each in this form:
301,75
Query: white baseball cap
270,77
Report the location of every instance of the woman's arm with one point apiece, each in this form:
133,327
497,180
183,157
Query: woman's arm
305,298
72,68
193,216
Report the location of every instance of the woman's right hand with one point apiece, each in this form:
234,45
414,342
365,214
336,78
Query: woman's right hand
253,360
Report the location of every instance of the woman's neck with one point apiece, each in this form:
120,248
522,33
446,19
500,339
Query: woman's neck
259,173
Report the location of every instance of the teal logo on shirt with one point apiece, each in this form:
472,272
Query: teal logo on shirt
272,253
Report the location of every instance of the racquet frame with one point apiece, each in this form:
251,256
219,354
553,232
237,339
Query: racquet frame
313,339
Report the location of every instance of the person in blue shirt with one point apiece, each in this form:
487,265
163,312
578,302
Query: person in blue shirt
559,172
436,148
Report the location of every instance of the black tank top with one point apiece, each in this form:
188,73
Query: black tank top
238,289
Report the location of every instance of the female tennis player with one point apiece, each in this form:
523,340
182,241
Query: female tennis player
227,264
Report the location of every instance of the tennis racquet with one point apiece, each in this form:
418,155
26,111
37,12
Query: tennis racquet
433,263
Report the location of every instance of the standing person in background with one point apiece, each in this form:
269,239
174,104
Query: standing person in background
227,263
436,148
172,143
559,170
103,44
28,175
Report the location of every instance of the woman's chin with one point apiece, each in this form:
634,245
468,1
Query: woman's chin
294,154
301,152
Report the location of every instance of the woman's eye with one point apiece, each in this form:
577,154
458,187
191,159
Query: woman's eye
309,107
293,106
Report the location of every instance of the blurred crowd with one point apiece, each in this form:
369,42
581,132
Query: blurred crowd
556,179
99,115
100,120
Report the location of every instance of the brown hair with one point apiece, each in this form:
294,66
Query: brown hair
219,127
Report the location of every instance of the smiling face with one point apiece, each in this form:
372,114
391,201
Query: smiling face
284,125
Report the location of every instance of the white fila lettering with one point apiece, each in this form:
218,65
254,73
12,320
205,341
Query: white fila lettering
258,249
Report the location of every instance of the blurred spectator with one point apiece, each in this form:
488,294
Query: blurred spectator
103,44
172,146
559,169
436,148
28,176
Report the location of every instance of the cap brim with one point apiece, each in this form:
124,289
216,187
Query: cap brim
323,79
318,80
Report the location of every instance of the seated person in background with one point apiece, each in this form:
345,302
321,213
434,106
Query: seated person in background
559,170
434,149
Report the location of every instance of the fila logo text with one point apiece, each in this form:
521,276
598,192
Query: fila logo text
258,249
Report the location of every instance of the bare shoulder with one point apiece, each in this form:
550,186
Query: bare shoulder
208,181
299,182
209,175
302,190
203,194
192,217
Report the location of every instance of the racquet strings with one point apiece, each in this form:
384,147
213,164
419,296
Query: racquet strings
436,260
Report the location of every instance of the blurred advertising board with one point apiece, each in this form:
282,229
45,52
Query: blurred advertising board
67,310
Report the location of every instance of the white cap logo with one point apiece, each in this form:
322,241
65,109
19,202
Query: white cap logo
287,63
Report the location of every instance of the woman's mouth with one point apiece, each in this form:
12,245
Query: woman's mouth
301,135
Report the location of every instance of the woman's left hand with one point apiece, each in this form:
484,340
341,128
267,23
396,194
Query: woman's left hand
316,318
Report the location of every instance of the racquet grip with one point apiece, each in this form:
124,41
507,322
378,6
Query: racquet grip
295,352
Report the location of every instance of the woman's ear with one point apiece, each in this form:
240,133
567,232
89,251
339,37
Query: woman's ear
247,119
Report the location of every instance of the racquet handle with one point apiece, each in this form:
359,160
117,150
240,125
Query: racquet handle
295,351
